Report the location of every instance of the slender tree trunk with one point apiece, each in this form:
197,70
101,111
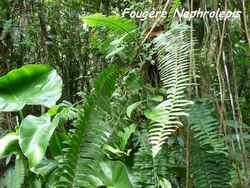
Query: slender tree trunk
245,21
44,33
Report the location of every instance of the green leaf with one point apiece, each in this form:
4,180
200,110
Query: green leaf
19,171
14,176
133,81
125,135
155,114
35,134
7,180
45,167
9,144
132,107
156,98
32,84
165,183
114,174
173,66
116,23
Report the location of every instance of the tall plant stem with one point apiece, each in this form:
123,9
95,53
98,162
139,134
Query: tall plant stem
158,19
44,32
191,74
188,161
245,21
222,106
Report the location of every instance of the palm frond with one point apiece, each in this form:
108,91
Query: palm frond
173,48
115,23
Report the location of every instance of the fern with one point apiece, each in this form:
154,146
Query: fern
209,169
19,172
115,23
208,151
148,170
7,180
205,129
84,150
173,48
14,176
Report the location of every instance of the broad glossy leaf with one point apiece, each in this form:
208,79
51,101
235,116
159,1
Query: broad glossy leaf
32,84
8,144
114,174
156,114
35,134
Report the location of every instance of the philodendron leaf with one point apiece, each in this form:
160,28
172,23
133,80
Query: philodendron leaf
33,84
35,134
114,174
8,144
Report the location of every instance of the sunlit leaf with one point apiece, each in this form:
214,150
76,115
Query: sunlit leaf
33,84
35,134
8,144
165,183
114,174
116,23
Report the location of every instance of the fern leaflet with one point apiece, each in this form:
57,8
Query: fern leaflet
173,48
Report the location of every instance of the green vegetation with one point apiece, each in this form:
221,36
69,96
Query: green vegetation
91,99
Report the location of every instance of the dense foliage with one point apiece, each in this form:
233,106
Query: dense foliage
90,98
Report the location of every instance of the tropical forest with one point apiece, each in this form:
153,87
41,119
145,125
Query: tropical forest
124,93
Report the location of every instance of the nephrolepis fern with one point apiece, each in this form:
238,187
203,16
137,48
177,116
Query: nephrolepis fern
173,48
205,128
14,176
84,149
148,170
209,159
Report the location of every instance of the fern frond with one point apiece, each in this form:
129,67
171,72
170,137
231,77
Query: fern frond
209,157
204,128
14,175
148,170
19,172
173,48
115,23
7,180
209,169
84,149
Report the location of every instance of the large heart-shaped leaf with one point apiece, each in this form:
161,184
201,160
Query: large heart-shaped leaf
35,134
33,84
114,174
